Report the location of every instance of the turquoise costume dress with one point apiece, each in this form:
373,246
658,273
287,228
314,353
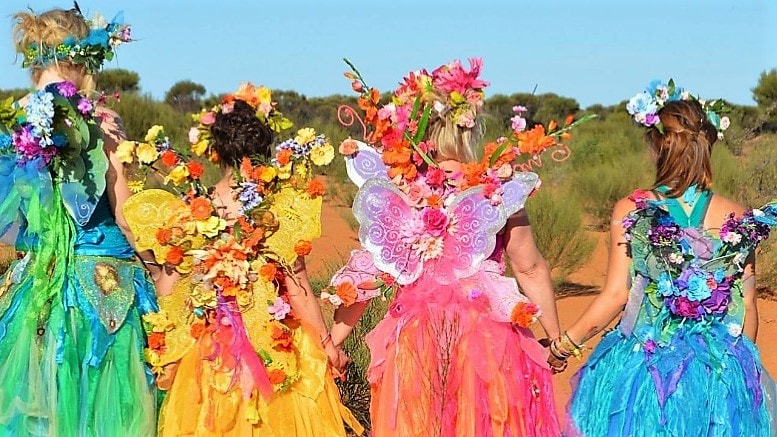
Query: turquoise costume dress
678,364
71,331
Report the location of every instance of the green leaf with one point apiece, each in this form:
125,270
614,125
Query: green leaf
421,130
497,153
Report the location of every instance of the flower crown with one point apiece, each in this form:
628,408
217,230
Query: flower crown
259,98
91,51
644,106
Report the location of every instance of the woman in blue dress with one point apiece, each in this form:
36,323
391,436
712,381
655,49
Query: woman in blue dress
71,330
681,361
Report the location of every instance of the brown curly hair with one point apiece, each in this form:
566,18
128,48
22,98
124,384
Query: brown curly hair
239,134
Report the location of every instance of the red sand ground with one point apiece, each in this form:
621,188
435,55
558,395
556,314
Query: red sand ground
332,249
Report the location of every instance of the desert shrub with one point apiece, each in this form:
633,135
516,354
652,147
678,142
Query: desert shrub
557,225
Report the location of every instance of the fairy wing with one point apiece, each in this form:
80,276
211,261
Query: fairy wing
365,165
381,209
146,212
299,219
516,191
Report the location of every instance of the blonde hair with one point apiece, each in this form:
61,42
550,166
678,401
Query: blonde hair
50,29
684,149
453,141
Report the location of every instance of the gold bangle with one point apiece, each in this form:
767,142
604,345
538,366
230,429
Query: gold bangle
326,339
570,346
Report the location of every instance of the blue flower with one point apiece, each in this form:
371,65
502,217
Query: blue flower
697,288
5,142
666,286
249,197
97,37
718,275
714,118
642,103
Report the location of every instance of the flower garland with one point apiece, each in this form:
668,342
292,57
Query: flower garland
260,98
91,51
47,115
644,106
695,275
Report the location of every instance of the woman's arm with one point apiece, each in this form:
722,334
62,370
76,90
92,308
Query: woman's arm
306,307
345,319
531,270
117,189
751,299
610,302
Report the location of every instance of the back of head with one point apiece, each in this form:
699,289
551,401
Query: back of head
239,134
684,149
452,140
47,30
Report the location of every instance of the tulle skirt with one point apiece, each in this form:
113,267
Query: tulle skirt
441,367
704,383
79,372
207,398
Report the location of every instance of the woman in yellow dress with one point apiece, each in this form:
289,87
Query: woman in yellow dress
239,342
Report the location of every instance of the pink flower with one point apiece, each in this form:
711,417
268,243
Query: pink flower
208,118
435,177
435,221
518,109
279,309
66,89
453,77
417,192
518,123
504,171
85,106
194,135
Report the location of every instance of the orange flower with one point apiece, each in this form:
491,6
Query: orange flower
347,293
570,118
316,188
156,340
200,208
552,126
246,169
397,156
523,314
534,141
434,201
348,147
169,158
195,169
284,156
506,157
268,271
197,329
174,256
473,173
276,376
163,235
281,339
303,248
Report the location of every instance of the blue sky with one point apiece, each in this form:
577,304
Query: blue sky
595,51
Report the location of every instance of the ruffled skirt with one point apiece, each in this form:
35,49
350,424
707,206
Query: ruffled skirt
706,383
441,367
79,371
211,396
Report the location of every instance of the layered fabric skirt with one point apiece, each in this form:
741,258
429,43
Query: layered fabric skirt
216,391
441,367
704,382
76,368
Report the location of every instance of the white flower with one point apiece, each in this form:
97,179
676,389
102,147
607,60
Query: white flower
439,106
757,213
332,298
429,247
676,258
734,329
732,238
194,135
725,122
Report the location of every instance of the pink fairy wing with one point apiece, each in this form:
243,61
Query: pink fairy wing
365,164
381,209
517,190
474,237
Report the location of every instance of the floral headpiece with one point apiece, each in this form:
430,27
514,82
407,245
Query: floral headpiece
259,98
644,106
91,51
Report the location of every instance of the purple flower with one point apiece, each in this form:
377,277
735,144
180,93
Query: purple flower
650,346
684,307
700,245
66,89
279,309
85,106
652,119
718,301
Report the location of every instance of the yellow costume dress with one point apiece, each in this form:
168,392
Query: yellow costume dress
242,373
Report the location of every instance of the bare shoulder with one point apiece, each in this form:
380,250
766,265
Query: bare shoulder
720,208
622,208
111,124
107,116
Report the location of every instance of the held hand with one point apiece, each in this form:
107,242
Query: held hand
337,359
557,365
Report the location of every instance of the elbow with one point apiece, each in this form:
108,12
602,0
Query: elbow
536,268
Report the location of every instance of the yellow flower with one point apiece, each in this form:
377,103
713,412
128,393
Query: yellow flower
146,153
178,175
135,186
125,150
322,155
285,171
152,357
268,174
264,94
203,296
305,135
159,321
153,133
211,226
200,147
186,265
301,170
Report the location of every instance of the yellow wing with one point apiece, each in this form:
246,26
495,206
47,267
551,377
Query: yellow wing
299,218
146,212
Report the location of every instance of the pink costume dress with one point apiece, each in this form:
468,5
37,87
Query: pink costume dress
453,355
